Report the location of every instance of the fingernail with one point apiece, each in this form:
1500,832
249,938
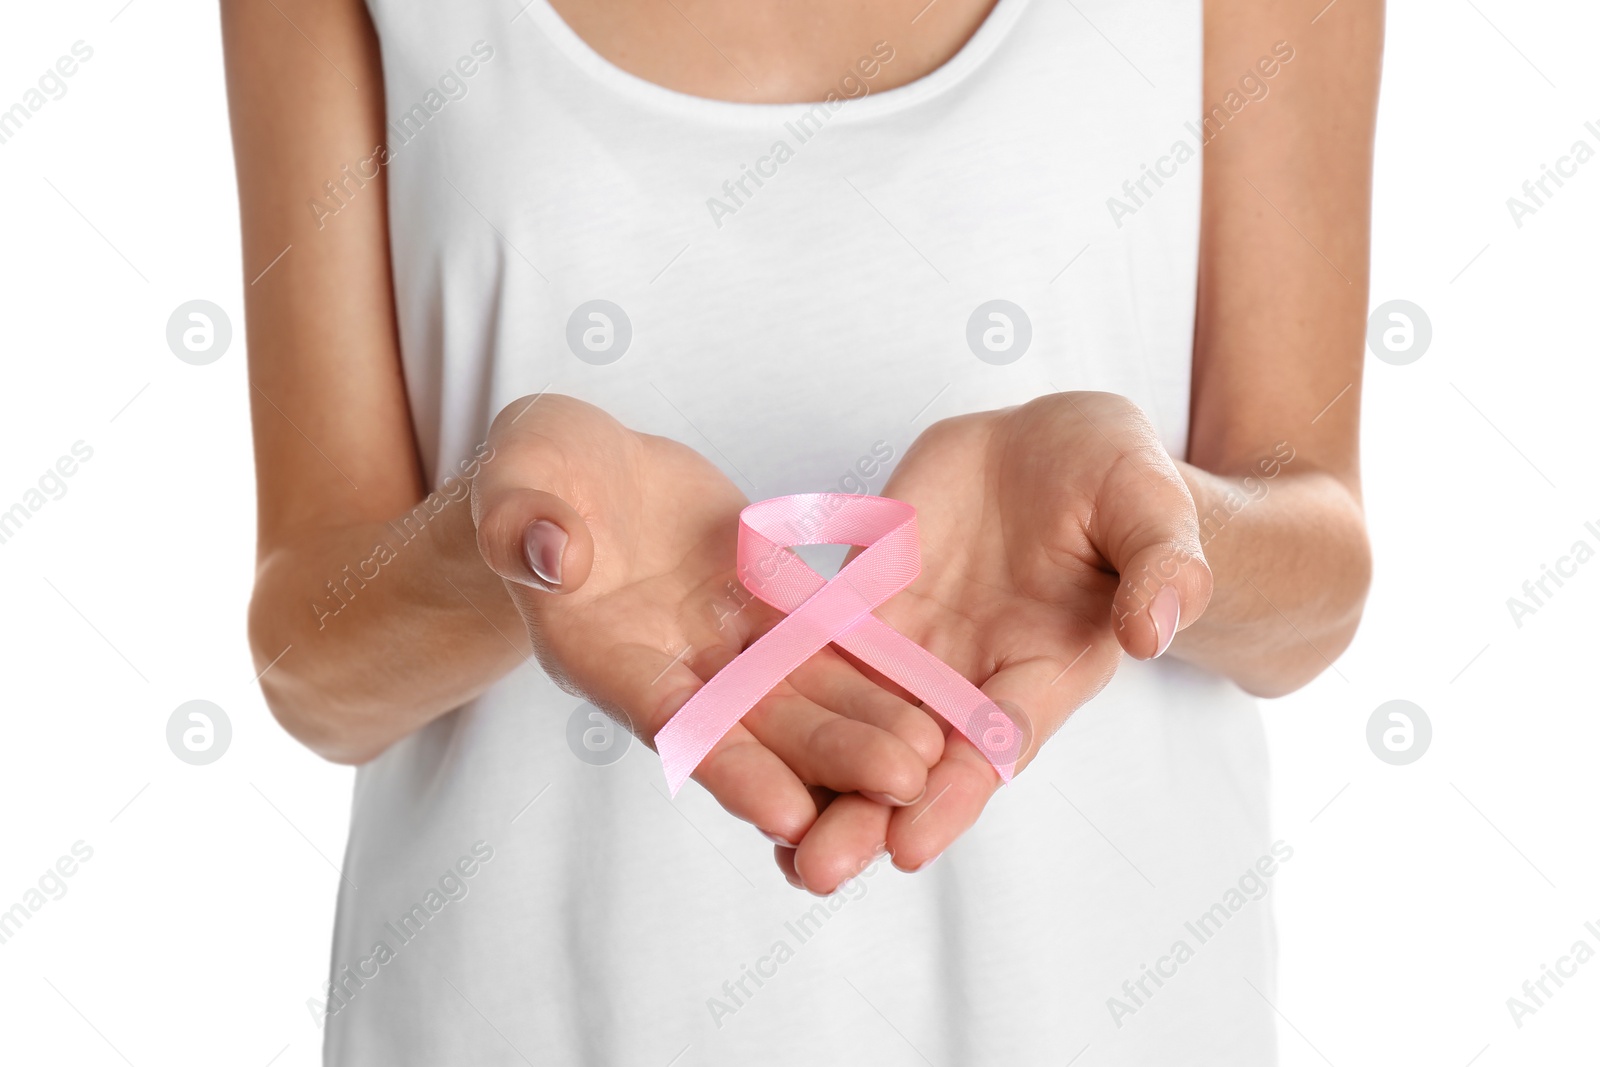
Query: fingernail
542,545
926,864
1164,613
776,840
893,802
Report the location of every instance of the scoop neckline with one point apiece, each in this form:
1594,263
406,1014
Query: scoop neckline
971,55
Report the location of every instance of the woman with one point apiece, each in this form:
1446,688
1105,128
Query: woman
558,288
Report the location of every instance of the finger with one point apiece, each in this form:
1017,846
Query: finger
646,688
835,752
785,850
753,784
821,797
843,842
1145,526
958,788
1038,695
528,531
824,748
785,860
832,681
534,538
841,684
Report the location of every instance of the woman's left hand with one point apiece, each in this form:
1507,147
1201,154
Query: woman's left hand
1055,536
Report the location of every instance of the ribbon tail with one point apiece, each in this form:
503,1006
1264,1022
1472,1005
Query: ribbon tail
998,736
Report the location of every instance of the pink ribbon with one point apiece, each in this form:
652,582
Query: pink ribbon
837,610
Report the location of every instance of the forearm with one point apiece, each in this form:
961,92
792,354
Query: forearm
373,630
1289,555
1279,342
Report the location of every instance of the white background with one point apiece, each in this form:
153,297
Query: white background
1420,897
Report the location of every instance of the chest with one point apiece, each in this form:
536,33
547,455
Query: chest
776,51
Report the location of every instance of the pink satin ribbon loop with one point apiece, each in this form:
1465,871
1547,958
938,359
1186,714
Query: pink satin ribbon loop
837,610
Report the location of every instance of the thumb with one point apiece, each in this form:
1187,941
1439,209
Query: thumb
532,537
1152,538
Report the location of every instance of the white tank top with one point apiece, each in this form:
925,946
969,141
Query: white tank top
796,291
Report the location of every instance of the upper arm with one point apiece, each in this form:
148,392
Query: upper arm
333,435
1284,237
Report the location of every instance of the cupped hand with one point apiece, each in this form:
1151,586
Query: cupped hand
1055,537
619,551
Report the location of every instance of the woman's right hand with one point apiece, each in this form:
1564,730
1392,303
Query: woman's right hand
618,549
